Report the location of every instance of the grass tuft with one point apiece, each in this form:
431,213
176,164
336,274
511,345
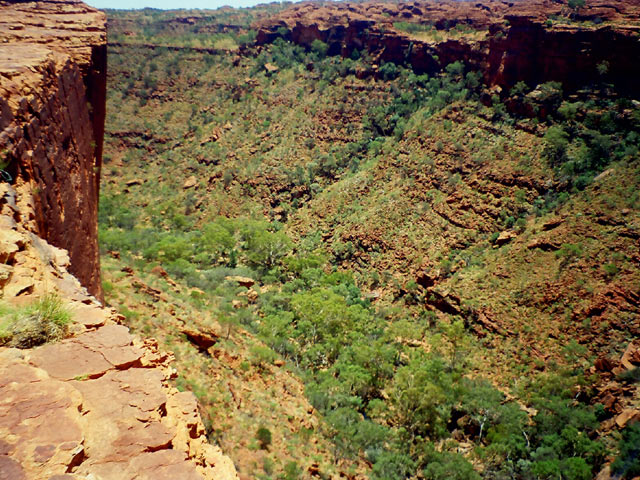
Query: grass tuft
43,321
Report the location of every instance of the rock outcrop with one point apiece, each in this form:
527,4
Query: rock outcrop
98,404
531,41
52,109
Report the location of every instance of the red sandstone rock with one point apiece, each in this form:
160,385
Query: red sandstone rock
514,42
96,405
627,416
81,405
200,337
631,357
52,105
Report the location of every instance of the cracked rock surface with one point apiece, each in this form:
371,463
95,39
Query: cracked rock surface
98,406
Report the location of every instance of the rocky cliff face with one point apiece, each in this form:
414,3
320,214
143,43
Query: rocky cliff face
98,404
533,41
52,107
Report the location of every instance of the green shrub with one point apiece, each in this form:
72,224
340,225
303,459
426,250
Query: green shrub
393,466
631,376
568,253
263,435
449,466
43,321
261,356
292,471
319,48
556,141
628,462
610,270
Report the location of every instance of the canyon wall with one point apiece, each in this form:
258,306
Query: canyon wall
532,41
52,109
99,403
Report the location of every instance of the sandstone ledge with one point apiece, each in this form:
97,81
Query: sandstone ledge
97,405
511,41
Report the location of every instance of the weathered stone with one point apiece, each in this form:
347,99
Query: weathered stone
626,416
190,182
68,360
242,281
505,237
114,342
89,355
10,243
552,223
10,469
631,356
270,68
200,337
90,316
39,417
604,364
94,405
543,244
59,51
518,43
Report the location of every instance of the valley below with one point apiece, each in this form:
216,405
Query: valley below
369,240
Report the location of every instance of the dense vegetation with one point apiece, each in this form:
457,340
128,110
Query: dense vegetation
274,136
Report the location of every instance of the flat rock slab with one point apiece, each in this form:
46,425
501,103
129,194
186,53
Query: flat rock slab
90,316
131,421
161,465
59,423
89,355
39,421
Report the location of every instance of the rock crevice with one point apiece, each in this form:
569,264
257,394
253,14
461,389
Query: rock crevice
52,111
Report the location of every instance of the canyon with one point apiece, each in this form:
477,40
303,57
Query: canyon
340,225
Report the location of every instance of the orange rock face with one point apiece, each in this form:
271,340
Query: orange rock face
98,405
507,41
52,107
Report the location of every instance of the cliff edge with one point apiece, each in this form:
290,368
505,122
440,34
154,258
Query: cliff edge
52,110
531,41
97,404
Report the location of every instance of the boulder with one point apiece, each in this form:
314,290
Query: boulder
190,182
505,237
242,281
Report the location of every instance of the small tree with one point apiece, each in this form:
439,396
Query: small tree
319,48
263,435
261,356
628,462
575,4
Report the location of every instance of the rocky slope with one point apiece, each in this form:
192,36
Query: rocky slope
510,42
55,419
459,232
97,404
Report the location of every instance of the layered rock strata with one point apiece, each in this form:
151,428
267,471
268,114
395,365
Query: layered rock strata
531,41
97,405
52,109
